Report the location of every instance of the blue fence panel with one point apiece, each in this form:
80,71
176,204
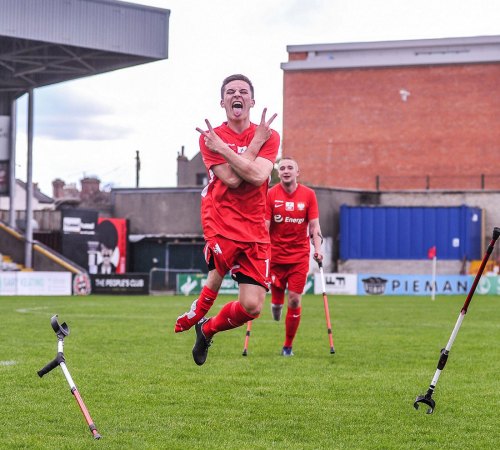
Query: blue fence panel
389,232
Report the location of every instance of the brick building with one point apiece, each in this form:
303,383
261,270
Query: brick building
408,115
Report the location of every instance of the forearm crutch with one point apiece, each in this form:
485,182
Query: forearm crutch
327,309
247,337
427,398
62,331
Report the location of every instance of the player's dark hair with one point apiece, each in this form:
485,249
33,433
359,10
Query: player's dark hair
237,76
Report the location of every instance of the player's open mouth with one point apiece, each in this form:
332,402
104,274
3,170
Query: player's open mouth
237,108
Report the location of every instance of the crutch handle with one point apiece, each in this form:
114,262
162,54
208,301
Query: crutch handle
51,365
318,259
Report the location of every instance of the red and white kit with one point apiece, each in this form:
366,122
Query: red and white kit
289,215
237,214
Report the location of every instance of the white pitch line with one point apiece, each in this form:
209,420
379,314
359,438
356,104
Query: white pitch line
8,363
29,310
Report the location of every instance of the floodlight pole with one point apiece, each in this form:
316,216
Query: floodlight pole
12,162
28,233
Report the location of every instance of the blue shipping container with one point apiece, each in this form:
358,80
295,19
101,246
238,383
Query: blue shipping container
395,232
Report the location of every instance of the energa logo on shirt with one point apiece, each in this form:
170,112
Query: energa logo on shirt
278,218
293,220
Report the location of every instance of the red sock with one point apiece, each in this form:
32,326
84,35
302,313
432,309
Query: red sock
292,322
232,315
198,310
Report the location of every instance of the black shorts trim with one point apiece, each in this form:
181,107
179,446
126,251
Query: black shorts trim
211,263
241,278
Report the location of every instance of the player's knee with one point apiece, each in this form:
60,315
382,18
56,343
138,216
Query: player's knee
294,299
253,310
251,298
252,306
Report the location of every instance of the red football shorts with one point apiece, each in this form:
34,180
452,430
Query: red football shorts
293,276
250,259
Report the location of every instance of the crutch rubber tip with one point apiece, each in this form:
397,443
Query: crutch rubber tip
332,350
244,353
97,436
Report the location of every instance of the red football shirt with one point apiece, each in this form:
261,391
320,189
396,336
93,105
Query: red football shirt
237,214
290,215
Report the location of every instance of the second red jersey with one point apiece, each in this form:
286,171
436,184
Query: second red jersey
290,215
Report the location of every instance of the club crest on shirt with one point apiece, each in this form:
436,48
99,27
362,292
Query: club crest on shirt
239,150
289,206
301,206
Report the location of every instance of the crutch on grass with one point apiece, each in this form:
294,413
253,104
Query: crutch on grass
62,331
247,337
427,397
327,309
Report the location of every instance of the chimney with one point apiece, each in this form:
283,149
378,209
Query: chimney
90,187
182,169
58,188
181,156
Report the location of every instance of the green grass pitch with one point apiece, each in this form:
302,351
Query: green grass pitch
143,389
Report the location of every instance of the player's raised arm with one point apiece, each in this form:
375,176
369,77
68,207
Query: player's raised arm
255,171
262,133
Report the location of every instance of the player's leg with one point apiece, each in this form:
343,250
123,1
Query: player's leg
252,275
232,315
208,294
292,321
277,302
297,278
238,312
277,291
202,304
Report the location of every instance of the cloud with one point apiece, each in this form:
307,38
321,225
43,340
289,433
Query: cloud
63,113
76,128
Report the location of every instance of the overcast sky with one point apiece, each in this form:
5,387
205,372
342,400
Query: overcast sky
93,126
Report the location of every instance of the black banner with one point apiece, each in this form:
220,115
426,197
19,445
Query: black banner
121,284
97,244
79,241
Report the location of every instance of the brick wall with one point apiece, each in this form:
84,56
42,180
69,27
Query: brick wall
412,127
